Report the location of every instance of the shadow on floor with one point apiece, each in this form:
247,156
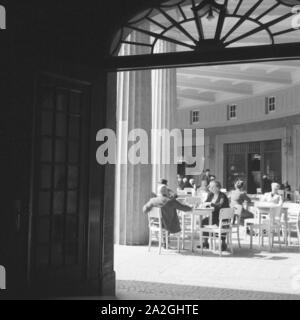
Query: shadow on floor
141,290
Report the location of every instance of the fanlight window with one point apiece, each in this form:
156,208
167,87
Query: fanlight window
196,25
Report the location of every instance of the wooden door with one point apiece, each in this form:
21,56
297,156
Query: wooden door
60,192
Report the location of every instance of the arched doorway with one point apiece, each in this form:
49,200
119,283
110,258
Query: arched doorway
102,200
202,33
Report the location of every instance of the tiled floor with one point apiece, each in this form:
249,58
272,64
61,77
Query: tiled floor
247,274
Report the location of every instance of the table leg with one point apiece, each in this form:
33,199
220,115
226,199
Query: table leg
286,229
259,229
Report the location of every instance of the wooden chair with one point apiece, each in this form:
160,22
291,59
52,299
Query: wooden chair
186,227
293,221
186,219
297,196
156,230
225,227
268,227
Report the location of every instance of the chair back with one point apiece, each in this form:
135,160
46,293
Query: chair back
189,190
275,213
237,213
154,218
181,192
293,211
193,201
297,196
226,217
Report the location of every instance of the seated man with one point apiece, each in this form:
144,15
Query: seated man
169,207
217,200
193,183
171,193
273,196
186,183
180,183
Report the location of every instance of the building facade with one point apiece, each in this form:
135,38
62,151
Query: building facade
260,136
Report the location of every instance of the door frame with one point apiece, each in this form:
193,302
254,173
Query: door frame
251,54
296,157
257,136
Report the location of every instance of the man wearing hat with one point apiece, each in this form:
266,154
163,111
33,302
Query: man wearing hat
171,193
169,207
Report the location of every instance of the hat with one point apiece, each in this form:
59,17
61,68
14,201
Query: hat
163,181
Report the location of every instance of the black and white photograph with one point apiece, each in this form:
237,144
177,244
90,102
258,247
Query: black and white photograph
150,151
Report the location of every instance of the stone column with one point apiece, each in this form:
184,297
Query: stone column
133,182
164,107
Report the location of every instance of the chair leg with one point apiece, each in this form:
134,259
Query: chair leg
167,240
201,242
160,241
289,236
220,245
150,240
178,242
214,242
271,235
251,236
231,243
298,234
238,237
285,236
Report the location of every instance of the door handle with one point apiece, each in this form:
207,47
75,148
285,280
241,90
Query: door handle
18,221
18,211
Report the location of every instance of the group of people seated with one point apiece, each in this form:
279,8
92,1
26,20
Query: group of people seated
166,199
205,178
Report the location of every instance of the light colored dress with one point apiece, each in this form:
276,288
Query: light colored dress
202,193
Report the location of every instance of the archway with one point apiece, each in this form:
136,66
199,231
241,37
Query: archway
235,22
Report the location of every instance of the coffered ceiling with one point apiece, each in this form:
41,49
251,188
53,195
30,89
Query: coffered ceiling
217,84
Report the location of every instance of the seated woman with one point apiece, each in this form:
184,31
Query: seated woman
169,207
203,186
202,191
217,200
237,198
273,196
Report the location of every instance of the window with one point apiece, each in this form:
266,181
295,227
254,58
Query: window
270,104
231,112
194,117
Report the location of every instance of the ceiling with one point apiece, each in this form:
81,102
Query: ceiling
218,84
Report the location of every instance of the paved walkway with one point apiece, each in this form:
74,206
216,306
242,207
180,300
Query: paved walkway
247,274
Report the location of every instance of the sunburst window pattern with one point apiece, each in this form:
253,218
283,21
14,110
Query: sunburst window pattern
195,25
